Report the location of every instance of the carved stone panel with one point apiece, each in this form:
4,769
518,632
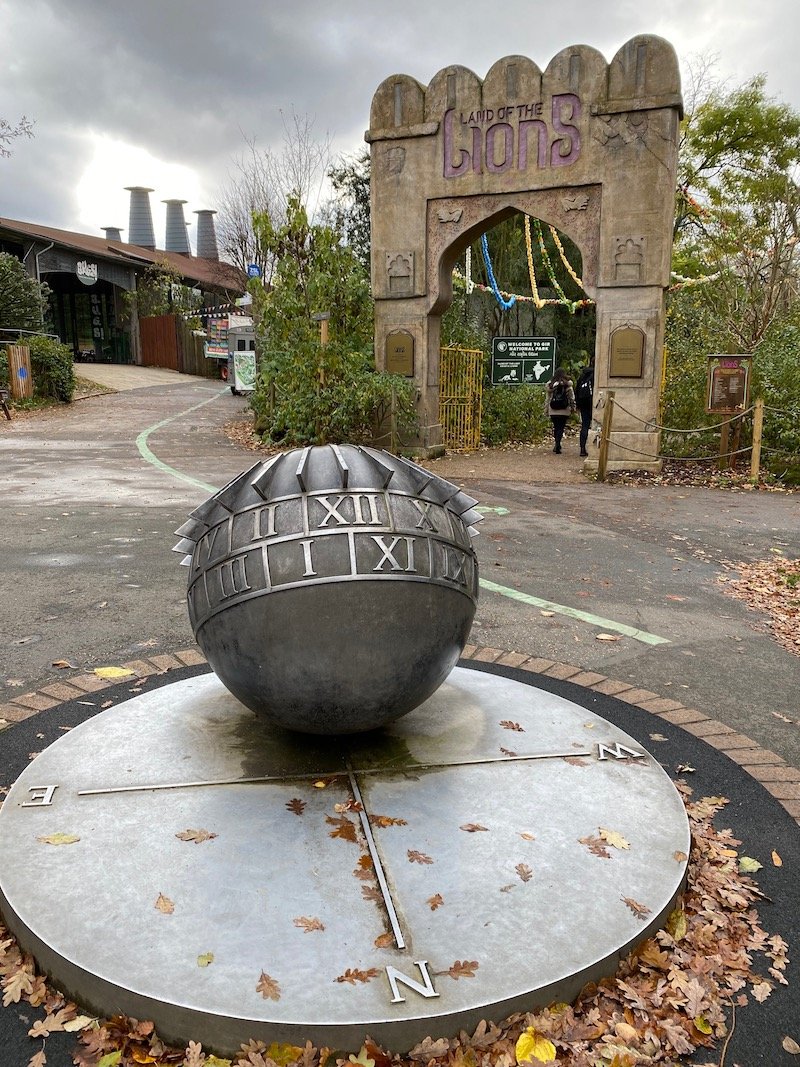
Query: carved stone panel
630,254
400,273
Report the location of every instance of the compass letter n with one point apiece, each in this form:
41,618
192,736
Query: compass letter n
424,988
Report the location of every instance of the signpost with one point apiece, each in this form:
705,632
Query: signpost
728,393
523,360
728,384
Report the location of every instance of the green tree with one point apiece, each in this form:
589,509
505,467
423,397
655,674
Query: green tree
349,211
308,392
23,300
161,291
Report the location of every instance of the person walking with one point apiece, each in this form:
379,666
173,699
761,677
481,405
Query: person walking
559,404
584,401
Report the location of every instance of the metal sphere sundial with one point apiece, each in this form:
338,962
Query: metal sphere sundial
332,588
464,849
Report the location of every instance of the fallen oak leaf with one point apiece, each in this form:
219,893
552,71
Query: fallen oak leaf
507,724
790,1045
473,827
164,905
63,664
38,1059
613,838
197,836
761,990
462,969
606,637
268,987
354,974
296,806
309,925
417,857
435,901
641,911
344,828
776,859
524,872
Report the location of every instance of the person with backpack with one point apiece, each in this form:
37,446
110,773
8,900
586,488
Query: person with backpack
584,395
559,404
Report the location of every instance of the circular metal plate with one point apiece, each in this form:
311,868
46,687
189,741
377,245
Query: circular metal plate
492,851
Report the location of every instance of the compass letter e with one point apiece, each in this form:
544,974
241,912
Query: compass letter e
425,988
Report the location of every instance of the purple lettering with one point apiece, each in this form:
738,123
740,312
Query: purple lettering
476,149
541,150
571,135
508,148
450,170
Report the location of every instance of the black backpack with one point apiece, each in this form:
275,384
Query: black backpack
583,390
558,397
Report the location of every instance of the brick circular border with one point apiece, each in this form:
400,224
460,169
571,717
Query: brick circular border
769,769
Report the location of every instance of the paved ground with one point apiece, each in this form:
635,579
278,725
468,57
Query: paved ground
94,492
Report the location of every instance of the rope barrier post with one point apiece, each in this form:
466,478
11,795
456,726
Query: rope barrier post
605,436
724,459
758,427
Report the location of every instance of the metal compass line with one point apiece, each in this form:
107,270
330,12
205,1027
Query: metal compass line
376,861
327,774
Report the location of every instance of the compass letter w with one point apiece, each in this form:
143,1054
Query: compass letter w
424,988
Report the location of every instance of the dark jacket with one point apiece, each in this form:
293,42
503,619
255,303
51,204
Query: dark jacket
570,399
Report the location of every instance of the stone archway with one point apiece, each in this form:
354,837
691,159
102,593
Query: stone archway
586,145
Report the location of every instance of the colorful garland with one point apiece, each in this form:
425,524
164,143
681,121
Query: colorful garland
507,300
504,304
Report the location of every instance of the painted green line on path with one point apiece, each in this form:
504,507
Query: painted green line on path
574,613
149,457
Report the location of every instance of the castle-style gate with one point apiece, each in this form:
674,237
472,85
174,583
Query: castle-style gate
587,146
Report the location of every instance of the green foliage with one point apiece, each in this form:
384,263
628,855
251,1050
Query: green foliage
160,291
693,333
307,392
350,207
23,300
52,369
513,413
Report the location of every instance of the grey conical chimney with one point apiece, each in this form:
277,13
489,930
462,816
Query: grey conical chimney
206,235
140,221
176,239
113,233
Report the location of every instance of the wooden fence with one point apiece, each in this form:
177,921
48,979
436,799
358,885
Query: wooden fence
166,341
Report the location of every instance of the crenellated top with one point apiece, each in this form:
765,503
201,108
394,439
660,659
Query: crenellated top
642,76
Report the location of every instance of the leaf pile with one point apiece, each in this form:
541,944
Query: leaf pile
773,587
674,995
704,474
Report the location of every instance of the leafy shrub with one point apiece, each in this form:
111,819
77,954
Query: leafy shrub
314,395
513,413
52,369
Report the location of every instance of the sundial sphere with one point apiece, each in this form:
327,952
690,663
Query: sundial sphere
332,588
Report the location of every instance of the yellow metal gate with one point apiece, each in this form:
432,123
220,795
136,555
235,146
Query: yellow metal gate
460,391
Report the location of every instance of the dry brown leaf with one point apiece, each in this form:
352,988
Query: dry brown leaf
384,941
309,925
641,911
524,872
507,724
463,969
595,846
791,1046
353,975
344,828
473,827
761,990
296,806
776,859
164,905
435,901
268,987
38,1059
386,820
606,637
196,836
417,857
16,986
526,836
370,892
611,837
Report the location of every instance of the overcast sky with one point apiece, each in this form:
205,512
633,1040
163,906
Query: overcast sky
162,93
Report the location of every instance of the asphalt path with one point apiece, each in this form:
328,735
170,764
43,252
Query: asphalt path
93,494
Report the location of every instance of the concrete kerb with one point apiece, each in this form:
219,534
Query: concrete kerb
767,768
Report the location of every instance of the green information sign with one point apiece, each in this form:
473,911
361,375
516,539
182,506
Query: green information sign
523,360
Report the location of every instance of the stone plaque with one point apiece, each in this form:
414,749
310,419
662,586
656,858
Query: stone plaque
627,353
400,353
